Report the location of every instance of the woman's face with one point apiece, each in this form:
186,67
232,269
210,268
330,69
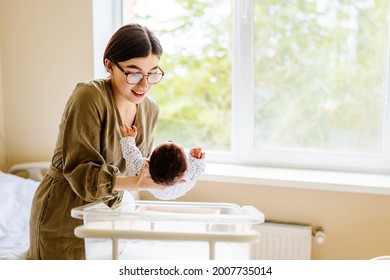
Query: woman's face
142,65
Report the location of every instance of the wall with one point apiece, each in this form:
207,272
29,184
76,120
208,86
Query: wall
3,157
46,47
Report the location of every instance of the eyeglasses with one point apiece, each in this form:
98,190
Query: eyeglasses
135,78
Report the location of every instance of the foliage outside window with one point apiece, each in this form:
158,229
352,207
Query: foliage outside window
321,74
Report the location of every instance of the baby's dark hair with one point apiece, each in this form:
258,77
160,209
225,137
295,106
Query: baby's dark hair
167,164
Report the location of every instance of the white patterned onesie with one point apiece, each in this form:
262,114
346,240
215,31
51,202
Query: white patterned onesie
136,161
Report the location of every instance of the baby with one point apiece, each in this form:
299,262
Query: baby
169,165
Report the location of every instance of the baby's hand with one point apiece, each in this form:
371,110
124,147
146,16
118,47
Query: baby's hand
197,153
128,131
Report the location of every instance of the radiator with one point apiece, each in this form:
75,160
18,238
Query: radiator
281,241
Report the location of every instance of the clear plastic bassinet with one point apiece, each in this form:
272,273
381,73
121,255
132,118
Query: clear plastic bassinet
168,230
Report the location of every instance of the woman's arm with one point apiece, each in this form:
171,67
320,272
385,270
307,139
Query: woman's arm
137,183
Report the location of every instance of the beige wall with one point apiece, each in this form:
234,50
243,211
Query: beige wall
46,48
2,124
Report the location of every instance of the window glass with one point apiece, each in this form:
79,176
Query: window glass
195,94
320,74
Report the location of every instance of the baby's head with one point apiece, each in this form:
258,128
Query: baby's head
167,164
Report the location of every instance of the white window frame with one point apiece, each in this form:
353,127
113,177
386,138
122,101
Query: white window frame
107,18
351,173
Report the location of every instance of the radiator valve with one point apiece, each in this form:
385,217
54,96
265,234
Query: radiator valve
319,235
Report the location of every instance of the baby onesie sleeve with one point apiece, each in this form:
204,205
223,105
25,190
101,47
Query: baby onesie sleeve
132,155
196,167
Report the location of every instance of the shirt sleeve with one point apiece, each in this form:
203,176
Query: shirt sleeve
133,156
84,125
196,167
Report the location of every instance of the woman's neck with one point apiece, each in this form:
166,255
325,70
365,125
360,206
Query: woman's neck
127,110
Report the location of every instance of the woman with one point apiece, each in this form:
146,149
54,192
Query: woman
87,164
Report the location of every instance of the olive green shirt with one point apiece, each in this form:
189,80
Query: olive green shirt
86,159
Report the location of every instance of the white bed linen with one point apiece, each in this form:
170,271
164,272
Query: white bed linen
16,196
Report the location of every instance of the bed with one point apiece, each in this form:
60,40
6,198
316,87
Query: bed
17,187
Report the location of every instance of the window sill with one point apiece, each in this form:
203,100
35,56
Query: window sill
295,178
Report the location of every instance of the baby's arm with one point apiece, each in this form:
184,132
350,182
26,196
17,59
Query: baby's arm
197,153
133,156
196,165
128,131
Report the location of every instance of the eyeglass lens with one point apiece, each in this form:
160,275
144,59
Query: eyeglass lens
135,78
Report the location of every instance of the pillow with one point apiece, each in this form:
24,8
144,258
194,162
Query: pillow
17,194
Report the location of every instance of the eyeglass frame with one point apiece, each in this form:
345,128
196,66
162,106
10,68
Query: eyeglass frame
143,76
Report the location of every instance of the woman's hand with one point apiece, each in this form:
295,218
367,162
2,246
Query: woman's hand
137,183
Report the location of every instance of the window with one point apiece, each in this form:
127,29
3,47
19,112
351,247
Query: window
273,83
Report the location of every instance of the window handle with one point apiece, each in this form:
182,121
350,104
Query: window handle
244,9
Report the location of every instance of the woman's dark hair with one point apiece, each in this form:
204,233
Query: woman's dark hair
167,164
131,41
